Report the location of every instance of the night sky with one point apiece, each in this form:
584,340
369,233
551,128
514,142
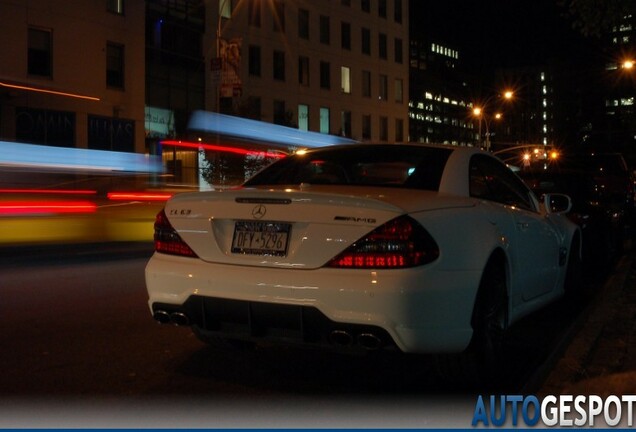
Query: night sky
503,33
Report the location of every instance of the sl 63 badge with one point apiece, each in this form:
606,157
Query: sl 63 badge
180,212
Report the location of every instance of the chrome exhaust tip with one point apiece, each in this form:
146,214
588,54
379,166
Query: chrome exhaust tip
369,341
179,318
341,338
161,316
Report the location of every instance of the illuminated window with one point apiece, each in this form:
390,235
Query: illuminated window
324,120
39,52
115,6
225,8
345,79
115,65
303,117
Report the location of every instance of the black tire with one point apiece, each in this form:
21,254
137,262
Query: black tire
490,321
573,277
481,362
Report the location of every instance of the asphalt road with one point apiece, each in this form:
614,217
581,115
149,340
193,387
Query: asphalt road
76,328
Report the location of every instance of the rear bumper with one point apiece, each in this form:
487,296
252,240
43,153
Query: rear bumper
421,310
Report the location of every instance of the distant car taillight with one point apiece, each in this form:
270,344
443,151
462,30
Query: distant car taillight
167,240
399,243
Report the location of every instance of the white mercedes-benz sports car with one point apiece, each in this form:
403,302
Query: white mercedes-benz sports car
428,249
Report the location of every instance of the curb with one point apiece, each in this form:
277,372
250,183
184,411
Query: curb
574,355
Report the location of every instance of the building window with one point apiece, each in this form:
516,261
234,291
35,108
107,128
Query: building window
115,6
383,89
366,41
303,71
346,124
115,65
303,24
382,8
399,91
325,75
303,117
366,84
254,13
325,36
39,52
397,11
279,65
324,120
225,9
398,50
279,15
365,5
384,128
254,59
345,2
399,130
345,35
382,51
345,79
366,127
280,117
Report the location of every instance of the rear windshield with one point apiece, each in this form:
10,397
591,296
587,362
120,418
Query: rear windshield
378,165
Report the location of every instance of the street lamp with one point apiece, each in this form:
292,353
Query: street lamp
482,116
480,113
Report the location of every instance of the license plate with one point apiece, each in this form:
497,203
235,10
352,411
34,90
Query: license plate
260,238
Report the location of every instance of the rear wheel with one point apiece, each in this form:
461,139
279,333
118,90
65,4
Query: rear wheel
573,276
482,360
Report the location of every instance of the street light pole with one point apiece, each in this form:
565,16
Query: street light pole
482,115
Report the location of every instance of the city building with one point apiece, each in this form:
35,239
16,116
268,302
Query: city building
72,74
337,67
439,102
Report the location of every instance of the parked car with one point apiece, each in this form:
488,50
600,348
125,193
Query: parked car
419,248
602,228
602,191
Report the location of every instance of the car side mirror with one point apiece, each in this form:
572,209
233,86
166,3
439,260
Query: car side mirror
556,203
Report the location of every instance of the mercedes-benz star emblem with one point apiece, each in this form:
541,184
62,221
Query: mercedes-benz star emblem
259,211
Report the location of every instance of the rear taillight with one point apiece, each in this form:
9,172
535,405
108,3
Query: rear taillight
399,243
167,240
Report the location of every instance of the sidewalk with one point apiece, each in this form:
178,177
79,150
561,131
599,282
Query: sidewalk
600,359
